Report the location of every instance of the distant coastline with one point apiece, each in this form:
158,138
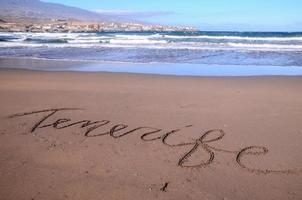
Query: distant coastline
64,26
39,16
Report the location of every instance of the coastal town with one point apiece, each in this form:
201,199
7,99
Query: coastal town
61,26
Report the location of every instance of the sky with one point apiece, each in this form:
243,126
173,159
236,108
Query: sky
208,15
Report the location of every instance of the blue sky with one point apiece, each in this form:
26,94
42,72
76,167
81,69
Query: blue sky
236,15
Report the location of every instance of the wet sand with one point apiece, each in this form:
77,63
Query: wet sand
75,135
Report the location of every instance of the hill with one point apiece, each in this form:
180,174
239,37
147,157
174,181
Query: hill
18,10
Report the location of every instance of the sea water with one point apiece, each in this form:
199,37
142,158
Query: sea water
177,53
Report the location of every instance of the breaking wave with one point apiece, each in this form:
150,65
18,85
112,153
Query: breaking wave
198,47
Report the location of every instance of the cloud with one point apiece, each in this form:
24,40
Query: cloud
134,14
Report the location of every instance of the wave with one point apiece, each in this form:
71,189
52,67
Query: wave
137,41
45,41
4,39
140,39
149,41
84,41
203,48
298,47
235,38
134,37
171,36
154,45
7,38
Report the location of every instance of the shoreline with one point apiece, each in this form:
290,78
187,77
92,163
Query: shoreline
160,69
24,70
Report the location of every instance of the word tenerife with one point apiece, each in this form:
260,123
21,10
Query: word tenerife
202,143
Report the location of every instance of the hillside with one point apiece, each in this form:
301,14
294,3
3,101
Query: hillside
16,10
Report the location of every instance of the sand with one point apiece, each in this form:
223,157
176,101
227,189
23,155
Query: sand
69,135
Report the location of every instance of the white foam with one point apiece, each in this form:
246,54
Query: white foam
137,41
83,41
296,47
235,38
233,47
134,37
155,41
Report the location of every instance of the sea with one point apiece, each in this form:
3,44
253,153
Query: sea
176,53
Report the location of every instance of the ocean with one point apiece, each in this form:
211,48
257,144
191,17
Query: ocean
237,49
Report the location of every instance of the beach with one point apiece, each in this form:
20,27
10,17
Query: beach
100,135
138,100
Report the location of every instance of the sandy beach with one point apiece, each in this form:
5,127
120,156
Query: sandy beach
77,135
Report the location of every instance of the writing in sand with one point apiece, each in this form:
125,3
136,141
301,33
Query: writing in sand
204,143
